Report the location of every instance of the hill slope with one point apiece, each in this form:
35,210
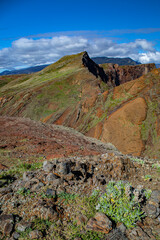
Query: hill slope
78,93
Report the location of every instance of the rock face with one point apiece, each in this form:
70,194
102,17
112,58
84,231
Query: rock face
117,75
122,127
100,223
94,68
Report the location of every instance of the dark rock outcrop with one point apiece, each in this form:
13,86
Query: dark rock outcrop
113,74
94,68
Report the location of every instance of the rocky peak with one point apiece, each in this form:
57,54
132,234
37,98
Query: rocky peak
94,68
113,74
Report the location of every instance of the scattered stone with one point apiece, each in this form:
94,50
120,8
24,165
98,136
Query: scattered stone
45,212
7,228
155,196
122,227
6,224
137,233
152,211
15,235
64,168
81,219
48,166
51,177
5,190
35,234
50,192
100,223
56,182
27,176
22,226
116,234
37,186
4,217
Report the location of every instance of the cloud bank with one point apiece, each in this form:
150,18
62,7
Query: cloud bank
30,52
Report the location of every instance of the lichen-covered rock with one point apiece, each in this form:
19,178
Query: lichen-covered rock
22,226
137,233
45,212
48,166
27,176
6,224
35,234
100,222
152,210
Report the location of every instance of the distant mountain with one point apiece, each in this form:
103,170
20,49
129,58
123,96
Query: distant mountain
24,70
157,65
119,61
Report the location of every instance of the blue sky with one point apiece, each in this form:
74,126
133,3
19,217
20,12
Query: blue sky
34,32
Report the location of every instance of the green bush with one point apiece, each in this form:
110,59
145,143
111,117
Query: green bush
118,206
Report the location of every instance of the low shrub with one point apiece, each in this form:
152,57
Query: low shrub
118,205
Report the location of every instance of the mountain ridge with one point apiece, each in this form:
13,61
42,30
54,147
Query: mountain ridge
78,93
98,60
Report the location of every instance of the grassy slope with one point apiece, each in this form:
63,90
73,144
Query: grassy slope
32,95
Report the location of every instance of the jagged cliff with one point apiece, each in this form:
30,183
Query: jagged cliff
117,75
113,74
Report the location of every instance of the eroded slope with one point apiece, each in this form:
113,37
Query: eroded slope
77,93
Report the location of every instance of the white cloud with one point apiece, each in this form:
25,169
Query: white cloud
30,52
149,57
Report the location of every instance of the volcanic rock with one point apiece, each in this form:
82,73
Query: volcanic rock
100,223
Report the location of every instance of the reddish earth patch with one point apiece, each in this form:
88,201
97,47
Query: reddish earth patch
63,117
132,88
122,127
47,118
25,139
105,95
99,112
96,131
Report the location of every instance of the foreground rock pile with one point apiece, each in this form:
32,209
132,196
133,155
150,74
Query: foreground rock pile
53,202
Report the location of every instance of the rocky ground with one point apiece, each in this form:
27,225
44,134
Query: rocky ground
53,198
29,140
